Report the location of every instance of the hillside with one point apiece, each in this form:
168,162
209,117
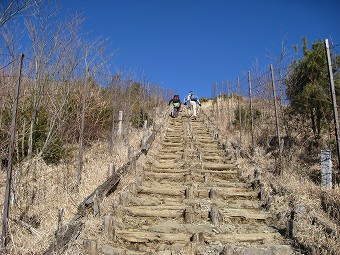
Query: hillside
192,193
93,163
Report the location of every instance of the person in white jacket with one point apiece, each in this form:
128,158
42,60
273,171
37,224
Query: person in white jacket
193,101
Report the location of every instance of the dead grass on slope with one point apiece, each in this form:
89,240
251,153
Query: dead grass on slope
94,225
316,211
40,190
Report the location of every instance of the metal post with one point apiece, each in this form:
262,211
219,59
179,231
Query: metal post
216,98
10,157
239,108
251,114
276,111
229,114
335,111
82,126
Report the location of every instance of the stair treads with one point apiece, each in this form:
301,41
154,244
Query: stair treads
143,236
162,191
155,211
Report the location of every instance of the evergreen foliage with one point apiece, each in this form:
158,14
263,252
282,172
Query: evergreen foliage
103,104
308,86
246,117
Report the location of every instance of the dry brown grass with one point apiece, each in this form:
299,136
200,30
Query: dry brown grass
317,211
41,189
53,187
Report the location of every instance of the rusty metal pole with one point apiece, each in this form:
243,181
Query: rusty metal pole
332,88
251,114
10,157
239,108
82,127
276,110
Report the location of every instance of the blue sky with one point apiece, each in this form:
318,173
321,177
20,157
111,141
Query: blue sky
190,44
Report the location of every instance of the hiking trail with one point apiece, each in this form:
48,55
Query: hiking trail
192,200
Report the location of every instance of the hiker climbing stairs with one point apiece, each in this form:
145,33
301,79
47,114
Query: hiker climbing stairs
192,200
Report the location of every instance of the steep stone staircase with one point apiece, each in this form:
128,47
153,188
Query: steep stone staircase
192,201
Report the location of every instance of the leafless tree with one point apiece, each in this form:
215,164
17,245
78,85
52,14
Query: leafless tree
54,56
95,59
11,8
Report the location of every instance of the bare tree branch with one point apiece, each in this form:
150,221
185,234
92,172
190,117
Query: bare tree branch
12,8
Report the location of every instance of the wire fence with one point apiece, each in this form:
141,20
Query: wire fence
50,104
251,107
53,86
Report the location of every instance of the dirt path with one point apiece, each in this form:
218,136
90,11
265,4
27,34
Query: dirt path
192,201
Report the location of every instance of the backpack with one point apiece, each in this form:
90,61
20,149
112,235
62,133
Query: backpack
175,99
194,97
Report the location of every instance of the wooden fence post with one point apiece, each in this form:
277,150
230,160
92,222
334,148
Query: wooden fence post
215,215
189,192
96,207
144,137
109,227
212,193
189,214
290,226
112,169
132,159
326,169
91,247
60,221
120,123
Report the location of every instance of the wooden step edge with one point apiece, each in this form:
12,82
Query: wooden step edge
206,170
145,237
223,166
246,237
168,170
177,211
245,194
161,213
165,174
171,192
249,214
109,250
177,207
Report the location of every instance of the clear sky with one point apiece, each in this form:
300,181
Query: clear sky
190,44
